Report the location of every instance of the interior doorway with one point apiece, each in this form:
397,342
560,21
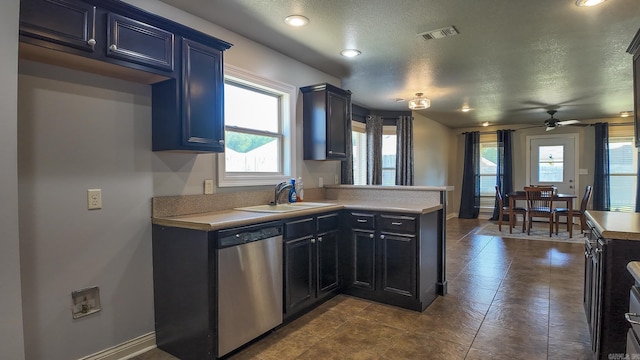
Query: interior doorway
553,160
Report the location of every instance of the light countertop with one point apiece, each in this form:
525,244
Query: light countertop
232,218
616,225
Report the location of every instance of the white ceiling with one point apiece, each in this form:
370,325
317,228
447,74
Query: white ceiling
512,61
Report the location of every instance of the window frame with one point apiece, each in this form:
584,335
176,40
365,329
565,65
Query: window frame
618,137
359,127
287,132
390,130
487,201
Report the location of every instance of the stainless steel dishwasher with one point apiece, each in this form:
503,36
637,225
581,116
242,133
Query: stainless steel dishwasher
249,284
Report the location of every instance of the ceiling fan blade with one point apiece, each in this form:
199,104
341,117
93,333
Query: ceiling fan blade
549,128
568,122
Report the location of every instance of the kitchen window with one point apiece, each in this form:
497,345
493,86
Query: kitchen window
359,147
623,164
259,131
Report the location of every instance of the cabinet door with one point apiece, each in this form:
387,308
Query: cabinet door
64,22
588,282
337,117
327,255
140,43
363,261
596,294
202,97
398,268
298,273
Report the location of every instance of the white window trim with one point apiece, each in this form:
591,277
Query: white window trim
289,160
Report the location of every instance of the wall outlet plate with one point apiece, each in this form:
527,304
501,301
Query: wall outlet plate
94,199
85,302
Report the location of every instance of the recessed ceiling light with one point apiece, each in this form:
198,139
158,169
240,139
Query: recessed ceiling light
486,123
350,52
625,113
296,20
589,2
465,108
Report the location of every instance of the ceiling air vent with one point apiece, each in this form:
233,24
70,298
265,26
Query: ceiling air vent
439,33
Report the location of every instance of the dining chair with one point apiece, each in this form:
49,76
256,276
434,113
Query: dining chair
576,213
502,209
539,204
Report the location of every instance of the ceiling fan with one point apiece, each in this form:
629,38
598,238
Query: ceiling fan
552,123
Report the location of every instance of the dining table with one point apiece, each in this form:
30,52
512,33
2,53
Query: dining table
521,195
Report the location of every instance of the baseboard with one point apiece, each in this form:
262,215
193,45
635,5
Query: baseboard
452,216
127,349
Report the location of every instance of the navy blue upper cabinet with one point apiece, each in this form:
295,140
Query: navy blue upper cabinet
59,23
326,113
113,38
189,114
140,43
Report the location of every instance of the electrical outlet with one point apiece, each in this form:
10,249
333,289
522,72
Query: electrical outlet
208,187
336,179
94,199
320,182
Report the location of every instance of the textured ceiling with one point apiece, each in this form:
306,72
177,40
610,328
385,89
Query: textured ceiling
512,60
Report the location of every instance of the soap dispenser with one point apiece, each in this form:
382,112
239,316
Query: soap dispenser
293,196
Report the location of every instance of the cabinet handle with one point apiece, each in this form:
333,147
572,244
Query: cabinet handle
382,237
628,316
370,236
91,42
330,151
221,142
313,241
320,239
362,221
396,223
113,47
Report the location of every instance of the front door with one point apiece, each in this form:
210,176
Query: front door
552,161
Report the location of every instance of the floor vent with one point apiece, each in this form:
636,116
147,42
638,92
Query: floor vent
439,33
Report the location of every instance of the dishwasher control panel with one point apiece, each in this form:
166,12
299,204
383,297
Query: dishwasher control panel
248,234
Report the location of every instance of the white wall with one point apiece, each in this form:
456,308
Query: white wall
11,330
431,142
79,131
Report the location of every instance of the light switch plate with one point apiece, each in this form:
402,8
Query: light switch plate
208,187
583,171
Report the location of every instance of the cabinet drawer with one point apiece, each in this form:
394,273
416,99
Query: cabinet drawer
299,228
137,42
362,221
398,224
328,222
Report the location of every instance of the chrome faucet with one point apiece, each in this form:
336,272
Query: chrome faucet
278,191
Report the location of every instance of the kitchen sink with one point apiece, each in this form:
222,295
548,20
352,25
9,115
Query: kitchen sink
280,208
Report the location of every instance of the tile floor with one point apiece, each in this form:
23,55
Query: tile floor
508,299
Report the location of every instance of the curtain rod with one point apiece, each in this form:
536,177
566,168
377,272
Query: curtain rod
616,124
495,131
485,132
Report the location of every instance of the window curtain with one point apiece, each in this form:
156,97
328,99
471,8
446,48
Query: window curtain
374,149
470,199
504,172
346,166
404,150
601,199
